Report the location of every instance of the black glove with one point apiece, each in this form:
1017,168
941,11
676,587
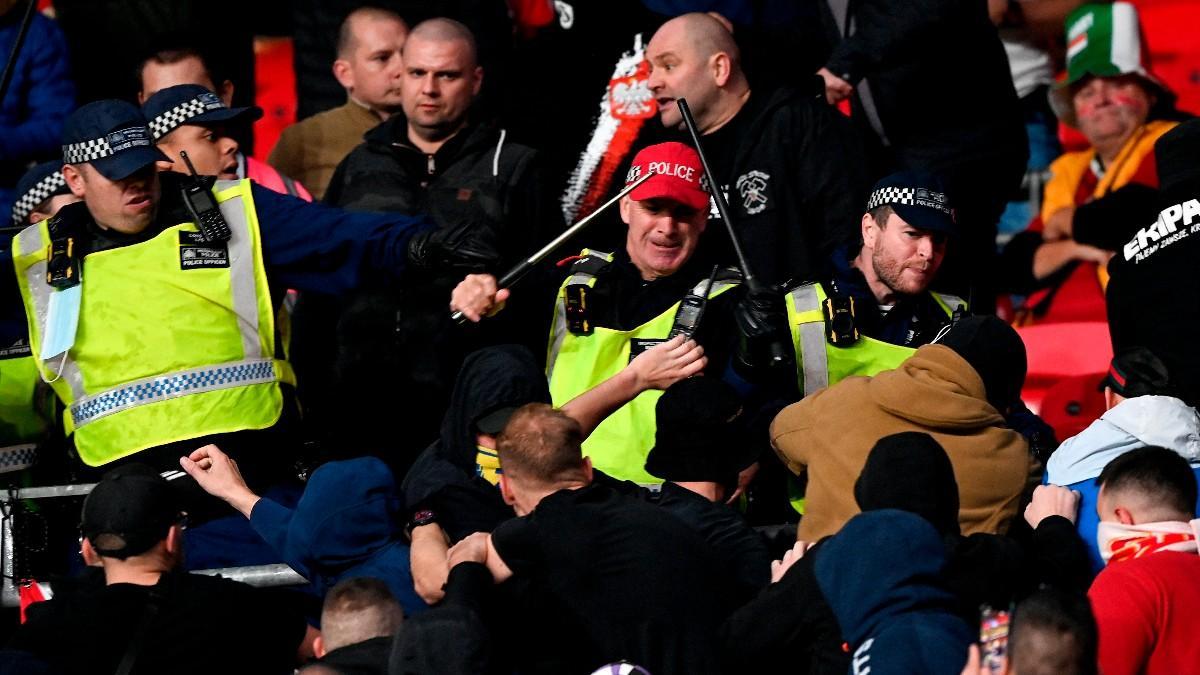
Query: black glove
1039,435
762,334
469,246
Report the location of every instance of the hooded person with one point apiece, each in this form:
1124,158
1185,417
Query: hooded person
1143,410
347,523
700,445
894,613
454,479
956,391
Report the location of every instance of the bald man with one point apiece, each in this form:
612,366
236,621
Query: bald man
438,156
368,68
790,167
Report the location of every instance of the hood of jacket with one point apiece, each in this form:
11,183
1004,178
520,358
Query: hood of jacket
880,576
349,511
495,377
937,390
1163,421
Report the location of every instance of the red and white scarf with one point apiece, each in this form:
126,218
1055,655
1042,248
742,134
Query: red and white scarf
1126,542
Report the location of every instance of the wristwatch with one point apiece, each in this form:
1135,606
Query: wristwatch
422,517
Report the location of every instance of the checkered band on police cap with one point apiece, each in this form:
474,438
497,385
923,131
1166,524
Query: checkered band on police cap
39,193
909,197
106,146
165,123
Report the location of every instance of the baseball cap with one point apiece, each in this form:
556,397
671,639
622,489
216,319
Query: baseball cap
129,511
678,175
112,136
190,104
1137,372
919,197
37,185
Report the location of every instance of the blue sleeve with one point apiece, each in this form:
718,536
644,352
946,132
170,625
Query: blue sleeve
313,247
41,97
271,521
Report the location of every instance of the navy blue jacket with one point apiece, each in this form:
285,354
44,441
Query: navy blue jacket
880,574
38,100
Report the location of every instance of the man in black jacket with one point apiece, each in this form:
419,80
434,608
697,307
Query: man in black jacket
789,165
435,158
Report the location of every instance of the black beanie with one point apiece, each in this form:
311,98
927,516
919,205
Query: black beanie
910,471
701,433
996,352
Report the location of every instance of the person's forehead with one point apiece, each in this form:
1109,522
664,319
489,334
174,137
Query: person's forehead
430,54
670,38
188,70
375,33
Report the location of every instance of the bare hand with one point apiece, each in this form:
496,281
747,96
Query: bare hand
836,88
220,477
477,296
794,554
1092,254
667,363
1059,224
745,476
974,663
471,549
1052,500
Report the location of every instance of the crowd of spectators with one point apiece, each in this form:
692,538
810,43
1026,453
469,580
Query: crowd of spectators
768,413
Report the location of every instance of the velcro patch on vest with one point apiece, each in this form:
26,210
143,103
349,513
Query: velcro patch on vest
638,345
195,252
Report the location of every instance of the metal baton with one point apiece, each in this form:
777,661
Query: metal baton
510,277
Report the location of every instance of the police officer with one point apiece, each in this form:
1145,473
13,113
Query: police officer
24,411
150,305
876,308
613,306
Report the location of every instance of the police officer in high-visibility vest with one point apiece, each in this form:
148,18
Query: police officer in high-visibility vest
876,308
25,410
150,305
613,306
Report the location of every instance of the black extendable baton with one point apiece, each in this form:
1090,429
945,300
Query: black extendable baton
752,282
513,275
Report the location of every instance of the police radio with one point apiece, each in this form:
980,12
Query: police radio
202,206
691,310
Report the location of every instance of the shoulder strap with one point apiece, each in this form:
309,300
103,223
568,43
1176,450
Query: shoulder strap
591,262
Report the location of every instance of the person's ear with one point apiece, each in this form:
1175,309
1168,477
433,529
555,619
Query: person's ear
175,540
74,178
870,231
37,216
1110,398
319,647
478,81
225,92
722,68
588,472
506,491
90,557
344,73
1124,516
625,206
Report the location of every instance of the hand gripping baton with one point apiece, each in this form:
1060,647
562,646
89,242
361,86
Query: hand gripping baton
752,282
513,275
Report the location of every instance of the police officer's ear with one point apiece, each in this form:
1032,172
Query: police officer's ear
870,231
74,177
626,208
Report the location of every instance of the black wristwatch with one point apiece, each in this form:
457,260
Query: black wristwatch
422,517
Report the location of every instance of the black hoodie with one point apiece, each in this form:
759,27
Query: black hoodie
443,478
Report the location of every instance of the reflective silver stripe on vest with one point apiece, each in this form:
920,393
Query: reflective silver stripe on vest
175,385
29,240
241,273
951,301
812,355
17,457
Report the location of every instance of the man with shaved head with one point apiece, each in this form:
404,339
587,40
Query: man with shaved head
789,166
435,155
368,68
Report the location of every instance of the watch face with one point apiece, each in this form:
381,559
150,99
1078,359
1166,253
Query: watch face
423,517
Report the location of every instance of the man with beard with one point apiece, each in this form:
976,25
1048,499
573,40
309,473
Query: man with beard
876,308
